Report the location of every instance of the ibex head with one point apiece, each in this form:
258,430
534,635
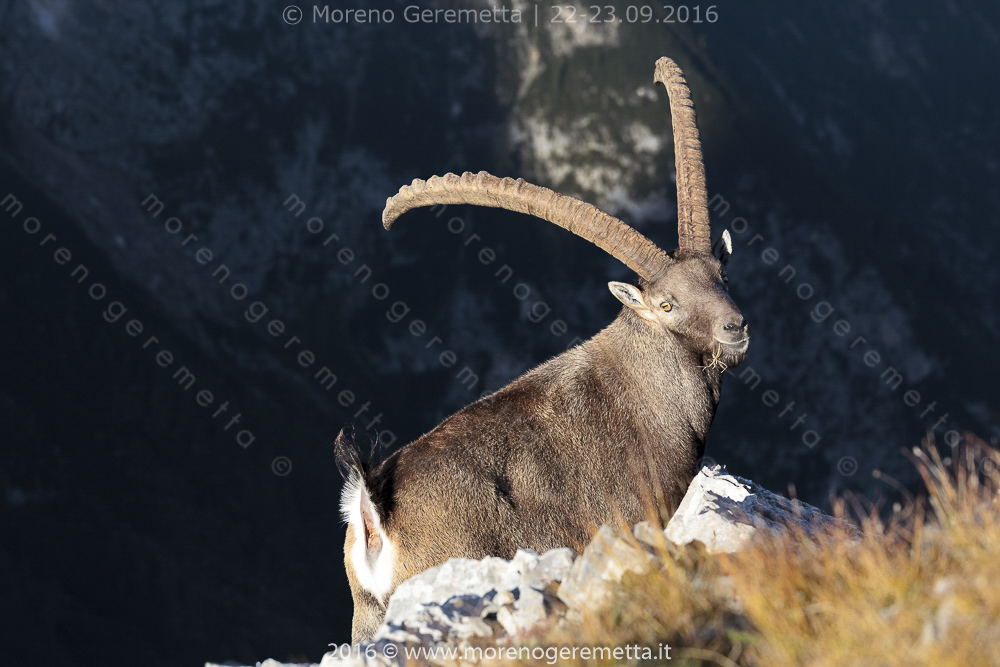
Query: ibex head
690,300
685,292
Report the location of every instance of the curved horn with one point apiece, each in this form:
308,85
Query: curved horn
607,232
693,230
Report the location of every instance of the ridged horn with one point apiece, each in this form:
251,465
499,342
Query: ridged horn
606,231
693,227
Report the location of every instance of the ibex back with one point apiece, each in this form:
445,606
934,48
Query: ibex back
602,432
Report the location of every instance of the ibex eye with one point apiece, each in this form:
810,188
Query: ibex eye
666,306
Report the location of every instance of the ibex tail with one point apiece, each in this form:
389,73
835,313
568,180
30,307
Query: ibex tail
369,553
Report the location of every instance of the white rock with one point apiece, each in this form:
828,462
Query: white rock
603,563
723,512
467,601
463,576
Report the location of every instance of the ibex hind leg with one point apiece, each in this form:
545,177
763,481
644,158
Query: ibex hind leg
369,553
368,610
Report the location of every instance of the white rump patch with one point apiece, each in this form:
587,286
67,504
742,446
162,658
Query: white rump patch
372,567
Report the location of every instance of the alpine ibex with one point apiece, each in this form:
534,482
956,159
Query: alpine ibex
592,435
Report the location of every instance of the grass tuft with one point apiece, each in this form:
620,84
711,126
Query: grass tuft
920,587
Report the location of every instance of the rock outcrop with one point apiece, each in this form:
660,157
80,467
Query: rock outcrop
468,604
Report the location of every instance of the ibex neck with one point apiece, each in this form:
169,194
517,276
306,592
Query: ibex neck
640,345
661,373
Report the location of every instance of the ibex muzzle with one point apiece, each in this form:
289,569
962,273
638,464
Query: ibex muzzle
607,430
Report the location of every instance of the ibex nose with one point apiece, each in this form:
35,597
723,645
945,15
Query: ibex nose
734,327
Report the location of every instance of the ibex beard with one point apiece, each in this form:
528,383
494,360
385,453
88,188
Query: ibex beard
595,435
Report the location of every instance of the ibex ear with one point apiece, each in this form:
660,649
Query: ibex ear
631,296
723,247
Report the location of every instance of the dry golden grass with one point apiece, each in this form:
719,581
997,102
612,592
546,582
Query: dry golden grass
921,589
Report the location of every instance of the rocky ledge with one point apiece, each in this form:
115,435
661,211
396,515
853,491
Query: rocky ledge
500,603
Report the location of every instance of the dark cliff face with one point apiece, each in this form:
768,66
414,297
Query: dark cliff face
853,149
